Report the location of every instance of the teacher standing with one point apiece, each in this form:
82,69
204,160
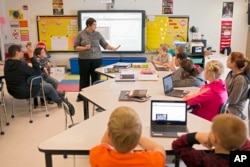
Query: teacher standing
88,43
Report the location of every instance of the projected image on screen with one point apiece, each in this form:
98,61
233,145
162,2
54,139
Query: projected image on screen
125,28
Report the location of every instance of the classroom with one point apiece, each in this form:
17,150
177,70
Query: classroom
25,144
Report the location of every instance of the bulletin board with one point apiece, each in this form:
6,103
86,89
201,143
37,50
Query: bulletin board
165,29
58,32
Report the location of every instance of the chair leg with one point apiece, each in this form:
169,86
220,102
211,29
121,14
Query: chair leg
66,120
45,102
12,111
1,125
5,113
31,109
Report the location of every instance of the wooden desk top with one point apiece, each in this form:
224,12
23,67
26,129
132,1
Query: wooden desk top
84,136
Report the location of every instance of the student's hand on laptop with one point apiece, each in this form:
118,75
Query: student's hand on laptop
203,139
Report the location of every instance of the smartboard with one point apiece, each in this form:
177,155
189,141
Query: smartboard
58,32
118,27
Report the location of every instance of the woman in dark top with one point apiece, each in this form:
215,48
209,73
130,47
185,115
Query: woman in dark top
88,43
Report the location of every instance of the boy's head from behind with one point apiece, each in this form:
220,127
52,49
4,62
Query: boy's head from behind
230,131
124,129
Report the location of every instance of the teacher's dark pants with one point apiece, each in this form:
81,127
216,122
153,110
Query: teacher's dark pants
87,69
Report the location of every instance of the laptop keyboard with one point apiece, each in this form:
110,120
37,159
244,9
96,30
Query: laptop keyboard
178,93
166,128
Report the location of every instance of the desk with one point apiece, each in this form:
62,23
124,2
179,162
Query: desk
101,71
79,139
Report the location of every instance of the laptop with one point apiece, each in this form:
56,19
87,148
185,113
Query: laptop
169,87
168,118
160,68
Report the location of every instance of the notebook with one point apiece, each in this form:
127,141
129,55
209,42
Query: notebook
168,118
169,87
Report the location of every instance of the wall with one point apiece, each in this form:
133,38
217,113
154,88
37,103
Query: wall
206,14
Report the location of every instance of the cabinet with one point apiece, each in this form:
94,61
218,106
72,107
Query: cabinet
198,59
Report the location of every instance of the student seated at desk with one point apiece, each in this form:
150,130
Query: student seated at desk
177,74
190,75
120,139
227,133
163,58
209,99
178,49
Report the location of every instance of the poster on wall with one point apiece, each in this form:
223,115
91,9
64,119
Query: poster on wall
15,34
167,6
57,7
227,9
165,29
15,14
226,33
58,32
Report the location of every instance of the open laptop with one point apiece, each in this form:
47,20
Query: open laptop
169,87
160,68
168,118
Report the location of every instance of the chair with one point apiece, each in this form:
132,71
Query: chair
223,108
98,109
34,80
2,103
69,110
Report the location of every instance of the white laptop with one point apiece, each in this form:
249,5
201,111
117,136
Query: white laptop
168,118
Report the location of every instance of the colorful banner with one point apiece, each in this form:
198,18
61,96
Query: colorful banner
226,33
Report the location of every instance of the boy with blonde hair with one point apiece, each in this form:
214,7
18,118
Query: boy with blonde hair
228,133
121,137
163,58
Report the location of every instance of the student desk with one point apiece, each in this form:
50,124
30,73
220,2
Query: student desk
101,70
79,139
105,95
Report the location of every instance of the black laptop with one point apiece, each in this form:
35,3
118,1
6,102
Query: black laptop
169,88
168,118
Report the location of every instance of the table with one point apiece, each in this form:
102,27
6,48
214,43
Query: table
101,70
98,94
78,140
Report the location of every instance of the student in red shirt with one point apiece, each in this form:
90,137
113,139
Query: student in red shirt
228,133
122,136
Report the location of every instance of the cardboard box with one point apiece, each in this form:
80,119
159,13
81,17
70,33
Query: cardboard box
59,69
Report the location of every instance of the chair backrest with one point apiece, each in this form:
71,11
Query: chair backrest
223,108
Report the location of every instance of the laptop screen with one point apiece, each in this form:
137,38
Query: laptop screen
168,112
168,83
